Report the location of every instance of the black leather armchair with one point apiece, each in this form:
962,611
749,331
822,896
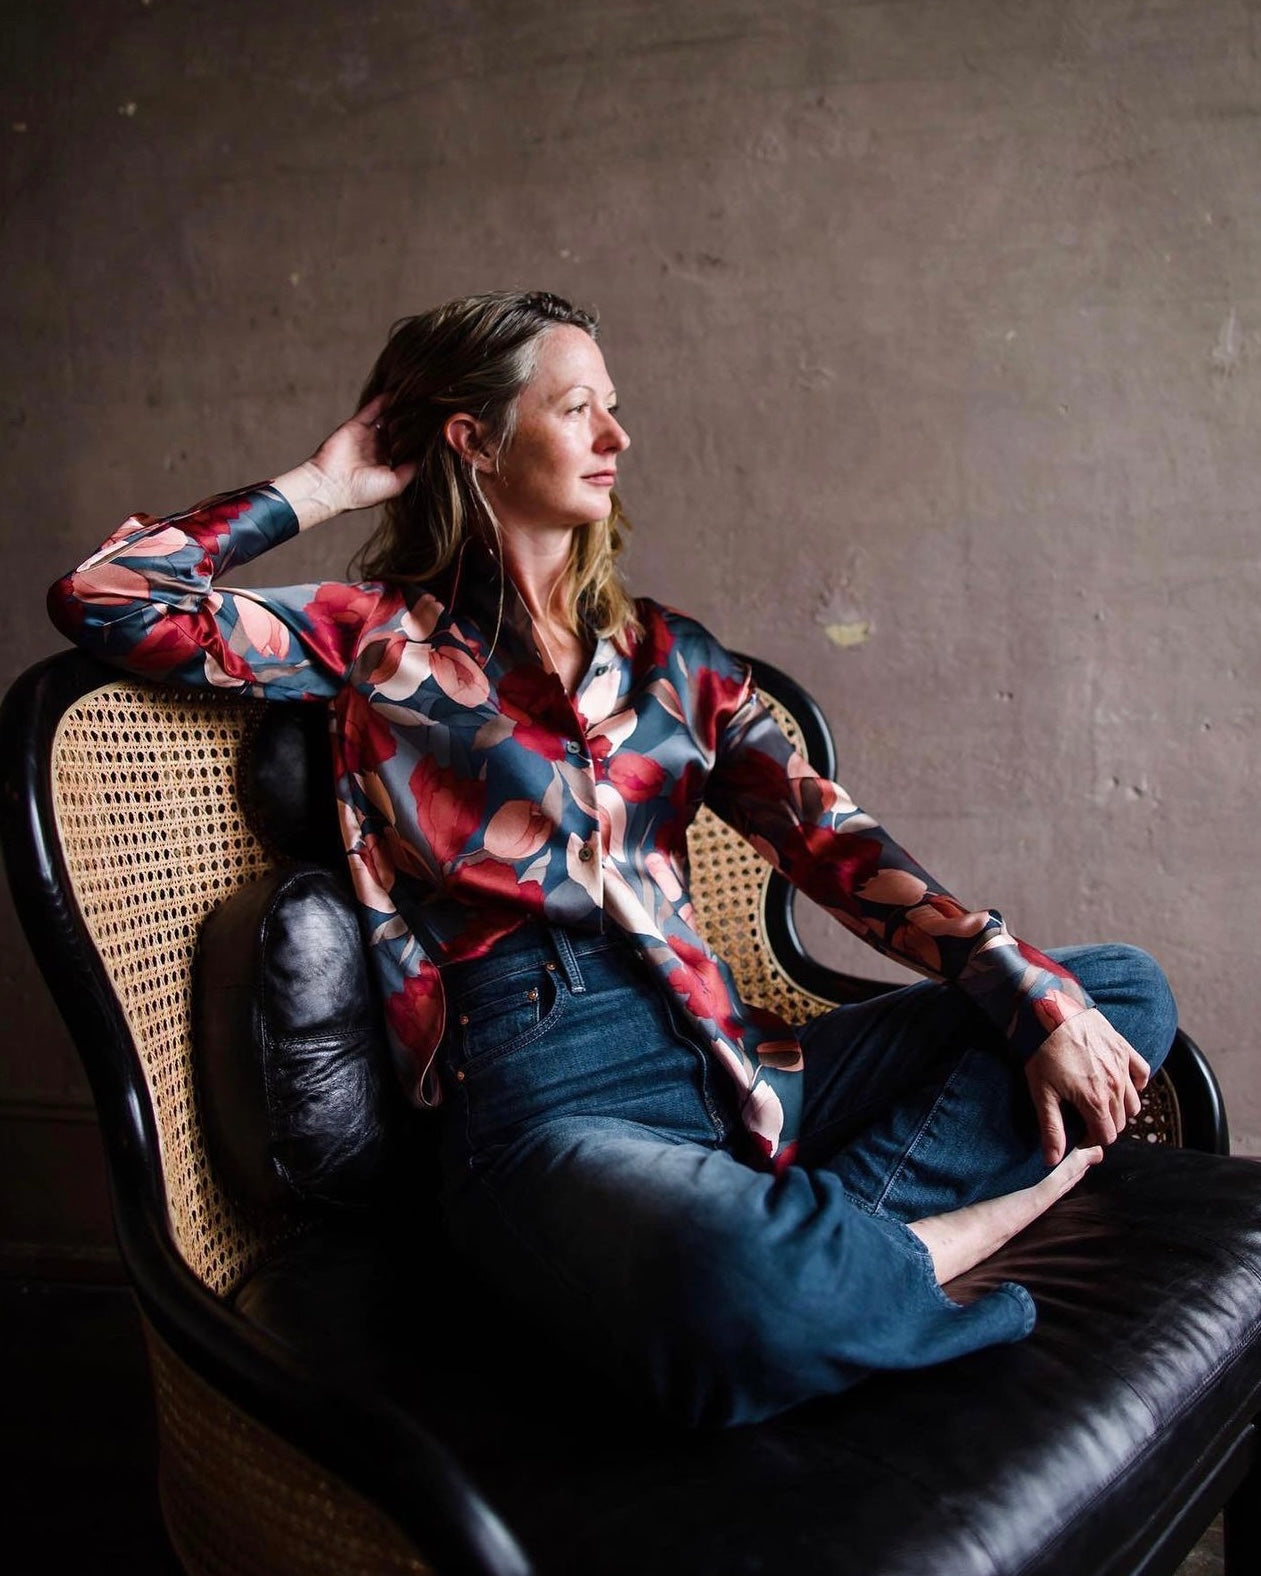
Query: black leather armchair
334,1394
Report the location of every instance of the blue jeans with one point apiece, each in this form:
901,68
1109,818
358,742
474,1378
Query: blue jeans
597,1174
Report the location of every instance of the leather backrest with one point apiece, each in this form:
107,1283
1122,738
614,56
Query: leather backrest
298,1098
286,784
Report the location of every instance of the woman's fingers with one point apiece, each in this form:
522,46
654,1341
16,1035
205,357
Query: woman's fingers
1087,1063
371,412
1051,1124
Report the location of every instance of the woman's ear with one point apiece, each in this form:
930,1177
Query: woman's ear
467,436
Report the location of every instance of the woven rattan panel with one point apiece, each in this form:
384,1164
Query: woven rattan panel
1159,1121
153,838
238,1501
728,887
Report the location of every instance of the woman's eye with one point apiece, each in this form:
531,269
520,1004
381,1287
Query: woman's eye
577,410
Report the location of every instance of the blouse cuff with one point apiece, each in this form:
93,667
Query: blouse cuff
1024,993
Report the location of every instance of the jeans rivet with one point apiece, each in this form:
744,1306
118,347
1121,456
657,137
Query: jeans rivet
531,995
464,1017
459,1077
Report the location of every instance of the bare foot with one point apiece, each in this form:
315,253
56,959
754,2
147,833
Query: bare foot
965,1236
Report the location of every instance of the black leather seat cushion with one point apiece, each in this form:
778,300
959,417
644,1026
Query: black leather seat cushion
1023,1459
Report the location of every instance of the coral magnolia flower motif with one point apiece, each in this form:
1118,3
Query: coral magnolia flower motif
636,777
458,677
401,669
942,916
110,583
897,888
162,542
666,874
516,830
371,874
261,628
611,809
421,619
915,946
1056,1007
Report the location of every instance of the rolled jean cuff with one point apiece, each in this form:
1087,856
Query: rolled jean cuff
1007,1307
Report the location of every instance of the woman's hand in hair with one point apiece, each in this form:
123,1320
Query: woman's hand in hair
349,470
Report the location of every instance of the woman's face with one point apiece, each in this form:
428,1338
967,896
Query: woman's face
561,465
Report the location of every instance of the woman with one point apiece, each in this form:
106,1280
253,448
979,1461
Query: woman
728,1215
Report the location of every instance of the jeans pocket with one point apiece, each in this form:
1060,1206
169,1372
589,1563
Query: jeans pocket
499,1018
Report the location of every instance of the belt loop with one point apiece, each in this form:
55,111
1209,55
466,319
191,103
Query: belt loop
567,958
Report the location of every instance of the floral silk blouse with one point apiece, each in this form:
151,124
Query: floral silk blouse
475,794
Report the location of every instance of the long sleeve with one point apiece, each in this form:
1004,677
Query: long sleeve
816,836
148,601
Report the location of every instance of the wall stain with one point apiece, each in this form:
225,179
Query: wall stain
1227,353
855,633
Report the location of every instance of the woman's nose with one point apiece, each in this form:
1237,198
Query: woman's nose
615,437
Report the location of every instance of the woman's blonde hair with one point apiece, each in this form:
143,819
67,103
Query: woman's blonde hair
476,354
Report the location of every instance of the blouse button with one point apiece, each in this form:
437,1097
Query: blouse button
585,854
572,746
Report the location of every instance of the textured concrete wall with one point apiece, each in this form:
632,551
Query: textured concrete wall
936,324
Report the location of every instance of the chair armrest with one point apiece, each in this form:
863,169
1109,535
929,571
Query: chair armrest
1200,1101
808,973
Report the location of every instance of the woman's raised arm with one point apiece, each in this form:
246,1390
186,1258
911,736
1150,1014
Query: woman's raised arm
149,599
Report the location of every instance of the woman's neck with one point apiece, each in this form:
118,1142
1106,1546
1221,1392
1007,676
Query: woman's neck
538,565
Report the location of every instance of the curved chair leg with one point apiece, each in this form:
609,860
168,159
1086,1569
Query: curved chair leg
1241,1522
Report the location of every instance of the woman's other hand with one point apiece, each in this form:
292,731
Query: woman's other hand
349,470
1088,1065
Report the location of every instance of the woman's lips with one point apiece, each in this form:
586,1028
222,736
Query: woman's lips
602,478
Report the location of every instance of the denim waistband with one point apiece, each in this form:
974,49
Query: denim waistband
550,943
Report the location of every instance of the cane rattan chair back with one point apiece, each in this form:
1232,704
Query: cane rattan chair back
153,835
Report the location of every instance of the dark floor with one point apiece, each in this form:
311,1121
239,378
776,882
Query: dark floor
77,1438
76,1434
